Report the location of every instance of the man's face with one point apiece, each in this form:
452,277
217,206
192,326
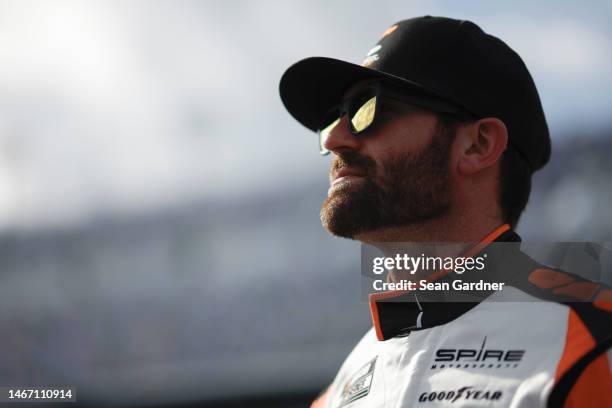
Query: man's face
394,175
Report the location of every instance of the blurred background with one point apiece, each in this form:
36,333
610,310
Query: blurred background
159,234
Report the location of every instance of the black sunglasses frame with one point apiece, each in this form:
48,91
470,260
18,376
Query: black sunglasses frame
349,106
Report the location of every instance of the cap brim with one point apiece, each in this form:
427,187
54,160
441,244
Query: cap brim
312,86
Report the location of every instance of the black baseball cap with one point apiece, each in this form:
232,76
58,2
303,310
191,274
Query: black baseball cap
451,60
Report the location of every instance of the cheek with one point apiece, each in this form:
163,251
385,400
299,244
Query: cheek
400,139
401,135
420,131
454,160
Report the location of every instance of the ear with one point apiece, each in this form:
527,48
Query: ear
481,145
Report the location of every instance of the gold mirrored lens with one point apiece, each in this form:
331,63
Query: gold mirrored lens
364,115
324,134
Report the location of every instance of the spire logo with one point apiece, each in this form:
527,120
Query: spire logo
478,358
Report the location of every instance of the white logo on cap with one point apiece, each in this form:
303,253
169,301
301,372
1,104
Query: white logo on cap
372,55
374,49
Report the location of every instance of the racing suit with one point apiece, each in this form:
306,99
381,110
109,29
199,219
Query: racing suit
537,343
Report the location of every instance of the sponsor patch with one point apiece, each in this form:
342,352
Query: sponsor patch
358,386
461,394
484,357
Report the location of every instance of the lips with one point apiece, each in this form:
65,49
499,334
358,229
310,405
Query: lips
345,173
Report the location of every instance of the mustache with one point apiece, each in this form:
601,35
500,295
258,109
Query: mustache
355,161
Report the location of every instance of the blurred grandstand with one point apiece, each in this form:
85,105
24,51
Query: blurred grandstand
222,301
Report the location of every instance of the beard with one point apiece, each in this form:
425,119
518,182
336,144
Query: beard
408,188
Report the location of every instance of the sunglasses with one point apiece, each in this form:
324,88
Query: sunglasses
364,107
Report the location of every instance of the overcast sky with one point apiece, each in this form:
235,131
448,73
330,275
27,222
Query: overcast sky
115,106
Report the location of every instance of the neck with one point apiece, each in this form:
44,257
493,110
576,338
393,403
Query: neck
455,226
421,238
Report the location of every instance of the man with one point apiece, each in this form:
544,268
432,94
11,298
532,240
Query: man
435,138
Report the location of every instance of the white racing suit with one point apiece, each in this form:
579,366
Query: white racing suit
546,347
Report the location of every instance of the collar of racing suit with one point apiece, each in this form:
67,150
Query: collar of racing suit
399,312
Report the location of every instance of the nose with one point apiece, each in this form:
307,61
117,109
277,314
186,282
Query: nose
340,138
